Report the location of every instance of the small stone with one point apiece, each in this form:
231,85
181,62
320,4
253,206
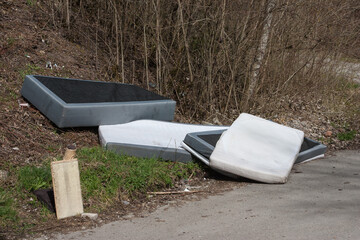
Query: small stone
92,216
16,148
125,202
328,133
3,175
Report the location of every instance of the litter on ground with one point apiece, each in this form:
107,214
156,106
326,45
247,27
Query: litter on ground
83,103
133,121
150,138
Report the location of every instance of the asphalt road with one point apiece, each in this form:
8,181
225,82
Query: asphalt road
321,200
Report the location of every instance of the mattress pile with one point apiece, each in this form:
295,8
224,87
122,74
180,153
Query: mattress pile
251,147
133,121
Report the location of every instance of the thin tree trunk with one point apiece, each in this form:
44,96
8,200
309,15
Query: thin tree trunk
68,13
185,41
158,46
261,50
116,37
122,53
53,13
96,42
146,59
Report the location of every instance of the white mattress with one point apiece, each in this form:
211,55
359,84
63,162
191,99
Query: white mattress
257,149
150,135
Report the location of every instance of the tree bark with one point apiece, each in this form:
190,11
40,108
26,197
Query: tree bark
261,50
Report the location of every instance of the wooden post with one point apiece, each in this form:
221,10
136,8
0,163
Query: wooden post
70,152
66,185
67,189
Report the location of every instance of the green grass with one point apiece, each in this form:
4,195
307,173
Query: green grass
52,148
32,178
106,176
346,136
7,212
31,2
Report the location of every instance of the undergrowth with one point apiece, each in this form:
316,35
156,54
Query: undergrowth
347,135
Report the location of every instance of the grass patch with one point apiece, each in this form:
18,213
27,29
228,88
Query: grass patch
351,85
32,178
346,136
106,176
30,2
7,212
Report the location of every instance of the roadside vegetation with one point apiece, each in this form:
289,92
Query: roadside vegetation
106,179
273,58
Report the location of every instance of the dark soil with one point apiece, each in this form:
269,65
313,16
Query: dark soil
26,44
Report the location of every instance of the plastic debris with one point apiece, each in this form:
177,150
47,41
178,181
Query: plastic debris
46,197
24,105
48,65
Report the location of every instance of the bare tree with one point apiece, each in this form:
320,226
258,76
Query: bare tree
68,14
261,50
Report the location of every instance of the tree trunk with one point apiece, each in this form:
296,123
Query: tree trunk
261,50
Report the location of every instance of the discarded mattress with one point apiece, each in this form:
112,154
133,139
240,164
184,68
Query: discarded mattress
150,138
80,103
203,144
257,149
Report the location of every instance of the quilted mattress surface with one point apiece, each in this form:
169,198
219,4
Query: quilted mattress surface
257,149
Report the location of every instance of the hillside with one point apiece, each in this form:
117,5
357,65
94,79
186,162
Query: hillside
27,44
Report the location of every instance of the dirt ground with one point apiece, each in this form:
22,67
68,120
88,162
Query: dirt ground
203,187
27,43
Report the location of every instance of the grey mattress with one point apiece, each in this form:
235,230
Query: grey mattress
150,138
80,103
